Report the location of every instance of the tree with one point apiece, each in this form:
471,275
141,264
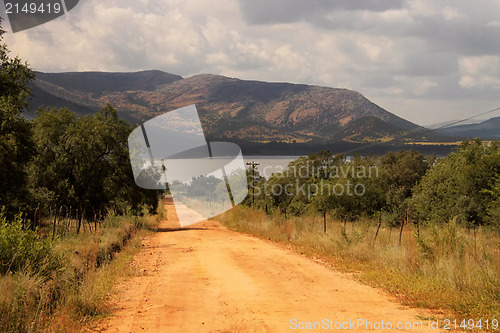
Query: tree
70,161
357,190
462,185
16,145
401,172
84,161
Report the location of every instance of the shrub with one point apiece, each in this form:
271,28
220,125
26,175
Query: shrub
21,249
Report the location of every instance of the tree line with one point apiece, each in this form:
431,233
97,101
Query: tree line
59,158
464,185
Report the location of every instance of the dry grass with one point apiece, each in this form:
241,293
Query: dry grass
68,298
445,268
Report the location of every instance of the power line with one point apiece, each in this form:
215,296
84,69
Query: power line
413,131
461,121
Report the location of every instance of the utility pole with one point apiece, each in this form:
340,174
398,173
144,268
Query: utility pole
324,218
164,171
253,165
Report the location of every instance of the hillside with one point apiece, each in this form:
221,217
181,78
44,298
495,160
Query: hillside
489,129
363,129
250,111
101,83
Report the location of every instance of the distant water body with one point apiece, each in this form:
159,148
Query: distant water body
270,164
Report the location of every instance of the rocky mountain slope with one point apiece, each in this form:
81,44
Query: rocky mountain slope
229,108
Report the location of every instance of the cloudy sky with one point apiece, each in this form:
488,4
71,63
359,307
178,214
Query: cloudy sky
425,60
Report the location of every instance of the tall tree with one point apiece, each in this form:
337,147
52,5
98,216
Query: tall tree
84,161
401,171
16,145
464,185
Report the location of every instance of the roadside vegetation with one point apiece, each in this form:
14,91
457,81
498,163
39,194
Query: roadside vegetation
61,285
68,207
427,230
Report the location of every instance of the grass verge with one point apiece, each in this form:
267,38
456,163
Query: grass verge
70,286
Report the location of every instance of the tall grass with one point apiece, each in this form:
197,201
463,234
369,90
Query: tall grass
71,283
442,267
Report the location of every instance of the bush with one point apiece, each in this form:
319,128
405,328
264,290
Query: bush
463,185
21,249
59,286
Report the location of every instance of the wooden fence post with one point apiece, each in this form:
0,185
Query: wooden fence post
79,218
65,229
61,216
39,221
83,220
378,227
35,215
55,222
324,220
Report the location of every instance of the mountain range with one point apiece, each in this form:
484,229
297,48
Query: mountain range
488,129
229,108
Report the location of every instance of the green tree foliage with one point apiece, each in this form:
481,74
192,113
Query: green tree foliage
494,206
464,185
401,171
16,145
84,161
325,182
363,190
350,188
59,158
254,181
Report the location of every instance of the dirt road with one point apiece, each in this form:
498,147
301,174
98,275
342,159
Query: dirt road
208,279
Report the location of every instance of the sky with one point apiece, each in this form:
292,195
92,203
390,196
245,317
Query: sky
428,61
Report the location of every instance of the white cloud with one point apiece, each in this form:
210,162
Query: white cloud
427,50
481,71
452,13
424,86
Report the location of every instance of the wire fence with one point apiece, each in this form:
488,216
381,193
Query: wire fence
61,220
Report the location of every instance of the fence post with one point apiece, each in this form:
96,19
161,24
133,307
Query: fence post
68,215
324,220
65,221
83,220
95,222
39,221
61,216
34,215
378,227
55,222
79,217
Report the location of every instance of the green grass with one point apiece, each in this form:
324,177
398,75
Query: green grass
446,268
71,287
